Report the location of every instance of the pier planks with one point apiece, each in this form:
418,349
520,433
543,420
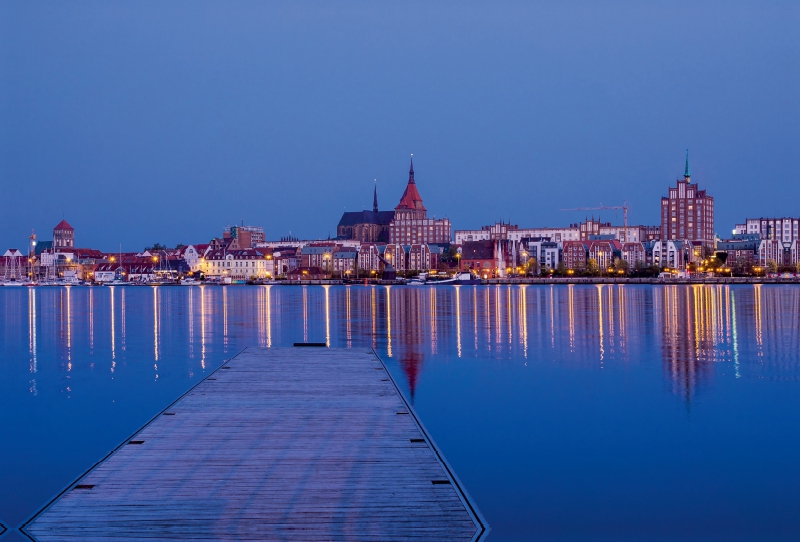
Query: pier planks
305,444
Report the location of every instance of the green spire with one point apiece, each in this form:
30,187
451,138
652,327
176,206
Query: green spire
686,173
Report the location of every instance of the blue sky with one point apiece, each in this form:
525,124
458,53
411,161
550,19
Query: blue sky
144,122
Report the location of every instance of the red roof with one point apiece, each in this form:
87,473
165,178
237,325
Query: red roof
64,225
411,198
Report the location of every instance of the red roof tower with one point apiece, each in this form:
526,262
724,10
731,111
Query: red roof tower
64,225
410,205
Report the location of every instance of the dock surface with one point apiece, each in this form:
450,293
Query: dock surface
311,444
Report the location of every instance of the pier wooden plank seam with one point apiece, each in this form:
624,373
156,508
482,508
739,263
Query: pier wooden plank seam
310,444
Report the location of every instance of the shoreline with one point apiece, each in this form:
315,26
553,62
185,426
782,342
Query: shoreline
484,282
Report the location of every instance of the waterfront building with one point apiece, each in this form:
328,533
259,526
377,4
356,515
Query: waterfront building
13,265
574,255
285,259
307,273
603,252
672,254
741,251
366,226
194,256
239,264
344,261
396,256
411,224
318,255
369,256
634,254
543,251
68,263
687,213
479,257
131,267
63,235
783,253
420,258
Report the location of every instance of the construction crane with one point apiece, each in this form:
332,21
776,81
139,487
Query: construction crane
602,207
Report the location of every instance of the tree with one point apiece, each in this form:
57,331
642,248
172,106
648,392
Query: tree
156,247
798,267
621,265
561,269
450,255
532,267
772,266
742,266
592,267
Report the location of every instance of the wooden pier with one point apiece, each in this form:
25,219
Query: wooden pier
306,444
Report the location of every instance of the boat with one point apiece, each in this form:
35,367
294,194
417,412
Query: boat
465,277
189,281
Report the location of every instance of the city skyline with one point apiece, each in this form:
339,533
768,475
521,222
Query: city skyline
178,121
590,219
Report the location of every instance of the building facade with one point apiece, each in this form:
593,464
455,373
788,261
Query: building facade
513,232
63,235
411,224
687,213
240,264
778,229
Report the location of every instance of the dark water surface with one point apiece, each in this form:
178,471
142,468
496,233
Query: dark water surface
568,412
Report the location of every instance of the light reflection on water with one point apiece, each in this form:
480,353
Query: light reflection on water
85,367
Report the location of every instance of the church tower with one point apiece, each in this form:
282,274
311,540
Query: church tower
410,206
411,225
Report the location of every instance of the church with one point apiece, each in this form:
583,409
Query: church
408,224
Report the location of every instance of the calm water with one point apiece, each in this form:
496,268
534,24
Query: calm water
569,413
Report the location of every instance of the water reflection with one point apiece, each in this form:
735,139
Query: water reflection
32,342
697,331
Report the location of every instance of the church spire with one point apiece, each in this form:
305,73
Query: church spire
686,173
375,197
411,171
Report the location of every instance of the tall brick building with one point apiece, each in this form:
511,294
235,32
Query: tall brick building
411,224
63,235
687,213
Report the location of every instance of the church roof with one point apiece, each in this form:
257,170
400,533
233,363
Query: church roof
64,225
411,198
382,218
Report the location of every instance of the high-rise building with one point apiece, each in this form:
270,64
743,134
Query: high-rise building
245,236
63,235
411,224
687,213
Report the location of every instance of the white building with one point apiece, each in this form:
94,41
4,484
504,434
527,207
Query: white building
784,253
515,233
779,229
194,256
242,264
